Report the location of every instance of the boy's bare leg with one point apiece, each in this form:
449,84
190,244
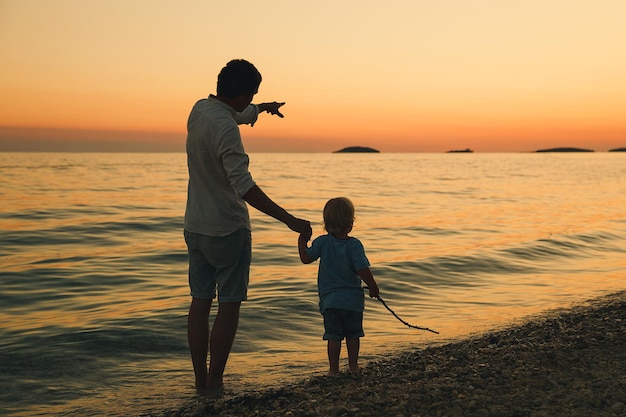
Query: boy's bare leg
353,346
222,338
334,350
198,338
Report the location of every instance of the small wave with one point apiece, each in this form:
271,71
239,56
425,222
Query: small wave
95,234
567,246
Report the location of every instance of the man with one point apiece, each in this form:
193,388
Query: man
217,223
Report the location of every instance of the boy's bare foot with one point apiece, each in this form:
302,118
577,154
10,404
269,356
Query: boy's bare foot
332,373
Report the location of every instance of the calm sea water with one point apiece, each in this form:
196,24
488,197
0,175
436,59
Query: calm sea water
93,264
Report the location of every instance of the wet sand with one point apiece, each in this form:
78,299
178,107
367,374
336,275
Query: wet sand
562,363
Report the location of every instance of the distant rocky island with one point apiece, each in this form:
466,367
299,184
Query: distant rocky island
565,150
355,149
618,150
466,150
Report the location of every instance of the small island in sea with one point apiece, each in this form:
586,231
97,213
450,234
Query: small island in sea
353,149
565,150
466,150
618,150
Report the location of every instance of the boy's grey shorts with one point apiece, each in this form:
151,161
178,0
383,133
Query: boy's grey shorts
219,263
340,324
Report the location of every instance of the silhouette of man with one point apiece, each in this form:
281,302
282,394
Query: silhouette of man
217,222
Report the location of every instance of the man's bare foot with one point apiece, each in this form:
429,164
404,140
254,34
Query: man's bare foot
213,390
332,373
215,393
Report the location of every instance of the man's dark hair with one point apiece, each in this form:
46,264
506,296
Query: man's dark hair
238,77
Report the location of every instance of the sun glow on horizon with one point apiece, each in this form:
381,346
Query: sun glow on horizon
419,77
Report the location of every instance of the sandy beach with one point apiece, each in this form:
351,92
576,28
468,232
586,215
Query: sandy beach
569,362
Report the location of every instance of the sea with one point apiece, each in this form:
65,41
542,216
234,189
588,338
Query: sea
93,265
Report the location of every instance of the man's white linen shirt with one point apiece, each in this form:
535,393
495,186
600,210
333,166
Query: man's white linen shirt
218,168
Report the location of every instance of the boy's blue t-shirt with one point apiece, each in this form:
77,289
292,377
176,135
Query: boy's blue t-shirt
338,283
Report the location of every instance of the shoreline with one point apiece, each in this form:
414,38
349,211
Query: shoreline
563,362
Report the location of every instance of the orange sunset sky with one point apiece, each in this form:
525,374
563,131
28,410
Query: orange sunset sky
400,76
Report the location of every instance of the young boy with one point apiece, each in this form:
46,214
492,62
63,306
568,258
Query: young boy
343,265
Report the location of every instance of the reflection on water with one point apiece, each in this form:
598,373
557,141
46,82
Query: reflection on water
93,275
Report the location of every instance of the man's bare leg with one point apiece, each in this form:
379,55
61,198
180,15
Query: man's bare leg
198,338
221,341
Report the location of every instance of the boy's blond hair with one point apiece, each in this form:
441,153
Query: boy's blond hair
338,215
